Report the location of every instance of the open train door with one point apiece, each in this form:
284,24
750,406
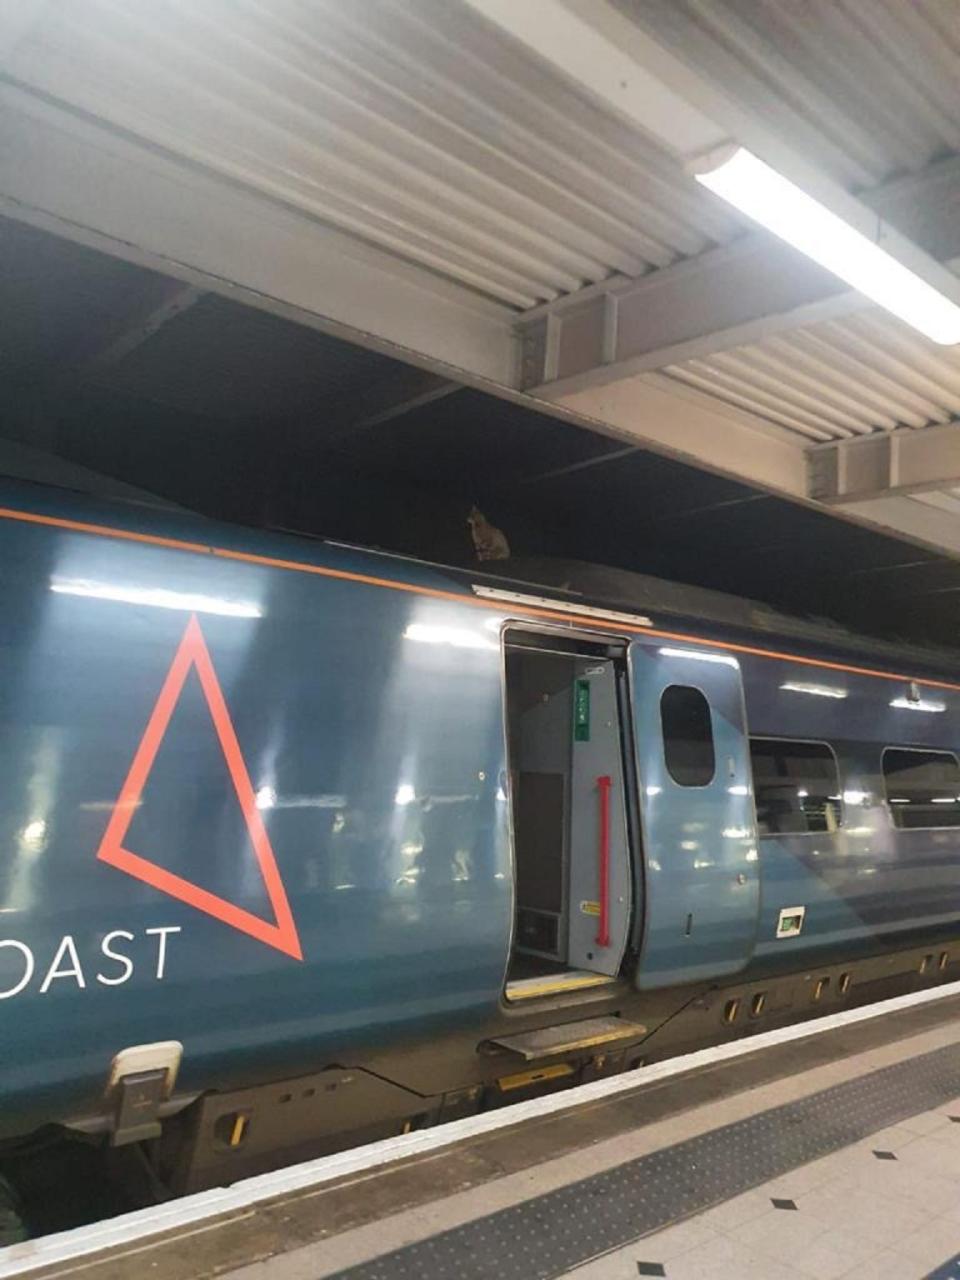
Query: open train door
697,814
573,861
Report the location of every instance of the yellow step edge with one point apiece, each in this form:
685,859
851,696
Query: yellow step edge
531,988
536,1076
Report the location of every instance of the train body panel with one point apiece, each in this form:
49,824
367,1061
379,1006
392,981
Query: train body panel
699,839
866,882
257,798
374,754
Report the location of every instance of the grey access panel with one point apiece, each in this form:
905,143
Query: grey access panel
541,808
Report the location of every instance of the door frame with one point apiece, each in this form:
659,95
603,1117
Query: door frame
613,646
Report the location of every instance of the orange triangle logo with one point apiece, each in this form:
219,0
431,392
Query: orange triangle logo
282,933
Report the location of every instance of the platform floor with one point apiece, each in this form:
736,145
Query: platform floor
864,1158
885,1208
828,1157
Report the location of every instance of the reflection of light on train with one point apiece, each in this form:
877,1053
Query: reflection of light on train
694,655
816,690
918,704
458,637
267,798
155,597
34,832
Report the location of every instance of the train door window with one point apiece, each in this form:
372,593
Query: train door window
687,736
566,753
796,786
923,787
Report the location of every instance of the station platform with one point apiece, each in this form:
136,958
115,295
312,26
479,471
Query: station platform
828,1150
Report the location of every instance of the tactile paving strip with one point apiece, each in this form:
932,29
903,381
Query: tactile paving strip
553,1233
948,1271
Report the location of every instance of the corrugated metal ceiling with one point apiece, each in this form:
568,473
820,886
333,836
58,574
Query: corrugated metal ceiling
415,126
836,380
870,92
867,88
410,124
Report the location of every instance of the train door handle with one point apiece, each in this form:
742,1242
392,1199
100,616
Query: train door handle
604,784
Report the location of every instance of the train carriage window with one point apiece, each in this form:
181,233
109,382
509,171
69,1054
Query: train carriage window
923,787
796,786
687,736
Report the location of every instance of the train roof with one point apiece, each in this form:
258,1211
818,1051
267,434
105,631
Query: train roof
602,586
571,581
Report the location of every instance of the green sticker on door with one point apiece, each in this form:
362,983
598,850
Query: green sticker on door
581,711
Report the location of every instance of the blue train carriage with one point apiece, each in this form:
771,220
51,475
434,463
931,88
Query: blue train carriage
303,844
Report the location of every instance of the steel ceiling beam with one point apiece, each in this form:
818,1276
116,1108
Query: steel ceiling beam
408,390
173,216
402,390
162,300
730,296
906,516
25,462
31,404
886,465
654,411
726,298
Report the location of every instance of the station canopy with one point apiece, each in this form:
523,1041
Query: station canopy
350,268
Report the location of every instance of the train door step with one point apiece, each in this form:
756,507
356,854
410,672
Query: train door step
548,1042
554,984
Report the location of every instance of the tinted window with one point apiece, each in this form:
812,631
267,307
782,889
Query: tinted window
923,787
687,736
796,786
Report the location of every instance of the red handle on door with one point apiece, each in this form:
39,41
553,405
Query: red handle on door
603,929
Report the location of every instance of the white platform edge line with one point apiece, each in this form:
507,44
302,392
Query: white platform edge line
128,1228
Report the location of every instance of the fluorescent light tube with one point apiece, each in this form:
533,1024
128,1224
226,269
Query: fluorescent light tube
790,213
